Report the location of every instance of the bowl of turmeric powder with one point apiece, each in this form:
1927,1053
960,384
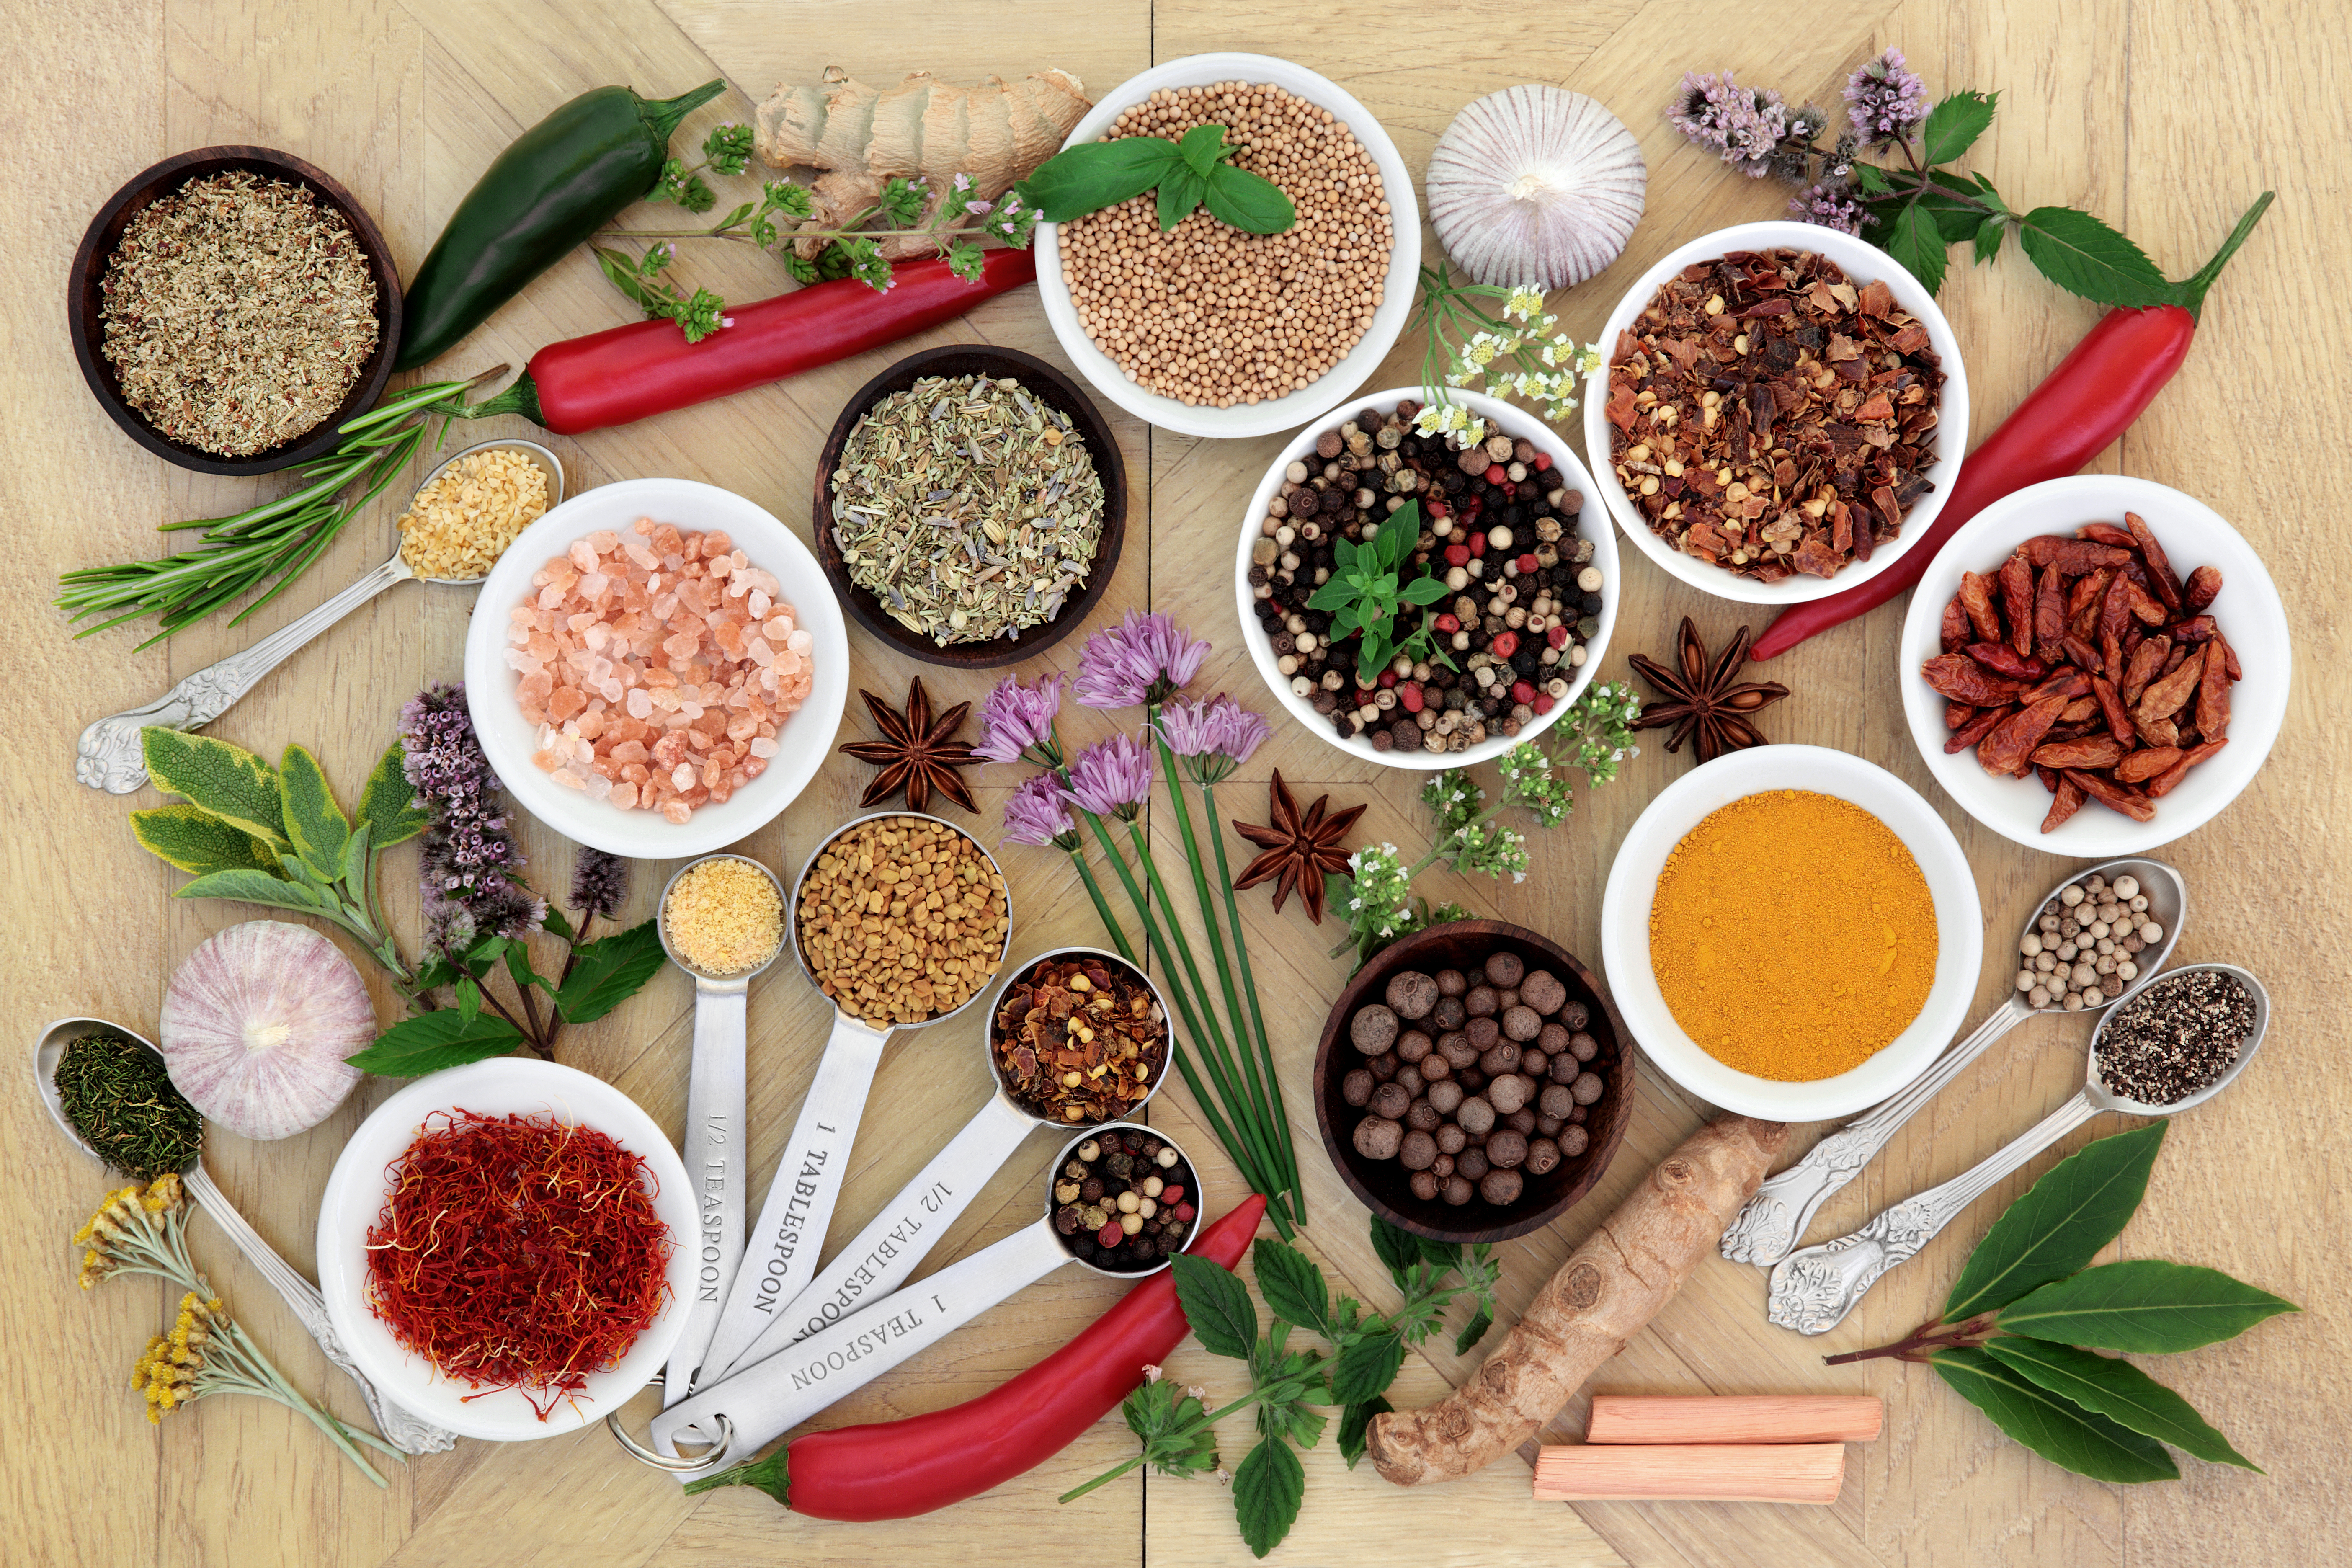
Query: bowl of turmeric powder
1791,933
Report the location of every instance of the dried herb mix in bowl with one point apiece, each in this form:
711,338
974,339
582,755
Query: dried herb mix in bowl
1079,1039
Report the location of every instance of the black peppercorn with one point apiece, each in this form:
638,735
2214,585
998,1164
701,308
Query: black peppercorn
1092,1190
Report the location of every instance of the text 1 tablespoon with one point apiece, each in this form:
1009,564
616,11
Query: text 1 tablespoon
400,1427
108,755
1813,1290
886,1251
1771,1223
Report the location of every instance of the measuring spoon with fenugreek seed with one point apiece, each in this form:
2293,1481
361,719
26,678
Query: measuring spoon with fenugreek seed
1770,1223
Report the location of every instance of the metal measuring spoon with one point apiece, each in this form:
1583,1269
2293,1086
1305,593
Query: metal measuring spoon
402,1429
1812,1290
881,1256
770,1397
1770,1223
108,755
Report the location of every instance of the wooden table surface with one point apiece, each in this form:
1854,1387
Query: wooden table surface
2166,116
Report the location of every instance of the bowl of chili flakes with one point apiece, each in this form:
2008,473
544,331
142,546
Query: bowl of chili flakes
1078,1013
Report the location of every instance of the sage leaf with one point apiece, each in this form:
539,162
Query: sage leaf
2060,1224
1914,240
387,803
431,1041
1217,1306
1366,1366
1954,125
313,820
355,866
228,781
2054,1426
1249,202
2143,1305
1179,192
2117,1389
2085,256
195,840
1355,1427
1268,1487
1097,174
608,972
1989,234
1203,148
264,888
1293,1287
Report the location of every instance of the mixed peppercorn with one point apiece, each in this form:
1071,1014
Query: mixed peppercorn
1498,528
1124,1200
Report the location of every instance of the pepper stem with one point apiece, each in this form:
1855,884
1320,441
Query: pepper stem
661,115
2192,289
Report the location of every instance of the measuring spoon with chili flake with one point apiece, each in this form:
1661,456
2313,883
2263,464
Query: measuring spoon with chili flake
400,1427
1770,1223
1090,1015
768,1398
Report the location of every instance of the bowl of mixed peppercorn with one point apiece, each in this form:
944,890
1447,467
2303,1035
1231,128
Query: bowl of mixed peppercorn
1428,601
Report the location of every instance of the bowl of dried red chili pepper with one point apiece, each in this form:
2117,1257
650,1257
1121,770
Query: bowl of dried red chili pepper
2095,666
506,1248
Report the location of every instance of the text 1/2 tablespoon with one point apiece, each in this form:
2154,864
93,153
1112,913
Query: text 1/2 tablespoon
886,1251
1813,1290
108,755
770,1397
1769,1224
400,1427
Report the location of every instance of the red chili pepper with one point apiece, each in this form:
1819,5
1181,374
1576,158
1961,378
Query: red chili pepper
2079,409
897,1469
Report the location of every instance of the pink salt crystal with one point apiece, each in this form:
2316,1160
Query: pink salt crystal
644,525
645,559
567,778
722,567
641,704
763,747
590,726
629,751
625,795
584,554
754,766
800,642
759,651
549,596
722,793
676,811
544,760
636,773
682,776
565,703
758,603
592,584
670,750
660,678
605,541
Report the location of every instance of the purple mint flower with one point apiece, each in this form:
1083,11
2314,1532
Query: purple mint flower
1885,101
1038,814
600,883
1014,718
468,869
1829,206
1112,777
1144,658
1741,125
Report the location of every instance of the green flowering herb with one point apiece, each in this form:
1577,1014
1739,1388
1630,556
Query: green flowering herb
1505,356
1368,591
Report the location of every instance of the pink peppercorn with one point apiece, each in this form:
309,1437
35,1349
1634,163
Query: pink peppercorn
1543,702
1523,691
1543,462
1448,623
1110,1235
1457,556
1478,543
1388,677
1409,696
1184,1211
1528,562
1557,636
1505,645
1171,1196
1495,474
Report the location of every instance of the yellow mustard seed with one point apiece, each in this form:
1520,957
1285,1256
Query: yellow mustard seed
724,916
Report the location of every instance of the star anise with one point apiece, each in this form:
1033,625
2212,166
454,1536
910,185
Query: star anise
1701,699
918,752
1300,848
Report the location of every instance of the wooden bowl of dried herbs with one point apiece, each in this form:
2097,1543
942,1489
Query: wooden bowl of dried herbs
231,307
970,504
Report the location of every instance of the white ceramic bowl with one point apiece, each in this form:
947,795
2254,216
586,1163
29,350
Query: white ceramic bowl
1633,881
1591,524
1860,263
2193,534
355,1199
806,739
1397,294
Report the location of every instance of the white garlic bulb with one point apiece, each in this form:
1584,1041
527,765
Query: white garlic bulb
257,1024
1536,185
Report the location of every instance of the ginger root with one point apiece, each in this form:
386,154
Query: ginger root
1604,1294
857,136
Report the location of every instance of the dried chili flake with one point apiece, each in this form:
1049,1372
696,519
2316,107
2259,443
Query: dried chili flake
1079,1040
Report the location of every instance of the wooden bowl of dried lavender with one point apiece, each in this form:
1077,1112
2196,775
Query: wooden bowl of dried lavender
970,506
231,307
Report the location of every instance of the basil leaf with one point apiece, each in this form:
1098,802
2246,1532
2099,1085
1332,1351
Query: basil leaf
2085,256
431,1041
2120,1391
1399,1249
228,781
1954,125
1914,240
608,972
1249,202
1268,1487
1293,1287
1475,1329
1179,193
1203,148
2145,1305
1395,542
1097,175
264,888
1366,1366
195,840
2055,1427
317,825
1424,591
387,803
1355,1427
1989,234
2060,1224
1217,1305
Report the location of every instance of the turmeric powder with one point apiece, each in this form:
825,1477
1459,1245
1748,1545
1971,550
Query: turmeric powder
1793,935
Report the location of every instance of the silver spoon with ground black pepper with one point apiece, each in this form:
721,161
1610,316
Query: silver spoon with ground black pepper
2181,1041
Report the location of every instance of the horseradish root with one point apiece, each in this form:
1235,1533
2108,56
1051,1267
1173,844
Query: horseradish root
1601,1297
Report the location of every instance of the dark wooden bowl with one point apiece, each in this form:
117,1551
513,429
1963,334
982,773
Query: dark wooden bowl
1047,386
85,302
1384,1184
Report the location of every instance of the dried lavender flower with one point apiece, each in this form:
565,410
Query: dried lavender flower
467,872
1885,101
600,883
1741,125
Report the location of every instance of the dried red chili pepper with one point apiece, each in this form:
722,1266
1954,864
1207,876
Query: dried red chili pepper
2089,751
2001,659
2114,613
2050,616
2159,566
2202,629
2112,705
2165,698
2075,557
1976,730
1976,598
2106,534
2204,584
1960,679
2146,608
2213,693
2164,782
2146,763
2115,797
2017,600
2067,800
1955,633
2068,683
2012,740
1956,715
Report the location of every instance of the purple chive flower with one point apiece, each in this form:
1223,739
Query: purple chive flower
1144,658
1014,718
1885,101
1038,814
1741,125
467,872
1112,777
1214,736
1829,206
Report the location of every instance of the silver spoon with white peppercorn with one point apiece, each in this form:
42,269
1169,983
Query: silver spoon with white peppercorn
2065,963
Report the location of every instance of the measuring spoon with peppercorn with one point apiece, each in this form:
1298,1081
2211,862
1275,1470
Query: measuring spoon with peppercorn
2181,1040
1151,1201
1076,1038
402,1428
2065,963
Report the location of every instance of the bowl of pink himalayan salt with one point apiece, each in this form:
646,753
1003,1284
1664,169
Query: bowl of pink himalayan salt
657,667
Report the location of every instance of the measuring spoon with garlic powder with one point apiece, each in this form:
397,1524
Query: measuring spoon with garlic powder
1770,1223
902,1235
769,1398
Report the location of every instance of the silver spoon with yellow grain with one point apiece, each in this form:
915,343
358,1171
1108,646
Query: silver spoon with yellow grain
108,756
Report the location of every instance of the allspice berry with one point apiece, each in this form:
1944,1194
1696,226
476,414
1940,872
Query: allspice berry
1477,1116
1448,1014
1505,968
1481,1001
1413,1045
1457,1190
1574,1140
1522,1122
1543,1157
1418,1152
1450,983
1373,1029
1445,1096
1435,1066
1542,990
1378,1138
1472,1162
1356,1088
1452,1140
1411,994
1501,1187
1424,1185
1507,1092
1500,1058
1391,1099
1421,1117
1522,1023
1482,1032
1583,1046
1457,1049
1384,1066
1552,1041
1506,1150
1586,1089
1410,1077
1554,1101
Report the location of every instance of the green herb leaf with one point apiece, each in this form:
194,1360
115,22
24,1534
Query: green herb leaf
1989,234
263,887
1956,209
2055,1427
431,1041
1268,1487
554,922
386,802
1399,1249
622,273
1355,1427
1345,552
1475,1329
1366,1366
1424,591
468,992
1097,175
1395,541
317,825
1249,202
354,877
608,972
1954,125
1287,1382
1179,192
195,840
2145,1305
1337,594
1217,1305
1870,178
2060,1224
1203,148
524,975
1914,241
1293,1287
2085,256
228,781
2117,1389
435,971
